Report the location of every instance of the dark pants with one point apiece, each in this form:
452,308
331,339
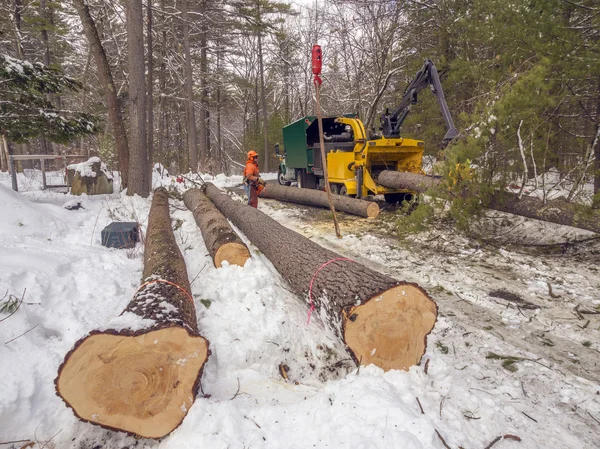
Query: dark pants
252,193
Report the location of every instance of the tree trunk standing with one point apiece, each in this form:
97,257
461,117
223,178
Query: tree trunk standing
555,211
318,198
263,98
222,163
150,93
44,32
381,320
204,135
162,85
222,242
3,153
17,29
192,138
45,22
597,148
130,376
138,167
108,86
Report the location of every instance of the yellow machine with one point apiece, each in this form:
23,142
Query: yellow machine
362,165
355,161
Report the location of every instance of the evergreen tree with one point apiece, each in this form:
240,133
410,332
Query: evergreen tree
25,111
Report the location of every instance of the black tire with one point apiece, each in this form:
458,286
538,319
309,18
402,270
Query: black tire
335,188
344,192
281,179
393,198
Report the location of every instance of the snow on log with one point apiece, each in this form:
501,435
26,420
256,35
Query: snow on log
221,241
140,374
554,211
318,198
382,320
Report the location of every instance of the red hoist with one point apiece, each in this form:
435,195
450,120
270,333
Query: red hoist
317,63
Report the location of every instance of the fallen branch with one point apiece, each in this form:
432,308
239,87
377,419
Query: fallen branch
26,332
552,295
238,390
420,406
442,440
503,437
554,211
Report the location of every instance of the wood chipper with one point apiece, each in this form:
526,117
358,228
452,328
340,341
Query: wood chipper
354,160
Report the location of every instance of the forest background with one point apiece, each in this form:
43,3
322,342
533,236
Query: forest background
196,84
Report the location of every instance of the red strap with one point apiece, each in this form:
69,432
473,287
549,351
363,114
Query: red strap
317,80
312,305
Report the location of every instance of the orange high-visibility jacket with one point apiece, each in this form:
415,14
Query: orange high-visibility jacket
251,172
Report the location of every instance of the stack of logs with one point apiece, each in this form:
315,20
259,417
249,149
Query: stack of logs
381,320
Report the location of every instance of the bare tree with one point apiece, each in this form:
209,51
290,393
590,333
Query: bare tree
108,85
192,138
138,167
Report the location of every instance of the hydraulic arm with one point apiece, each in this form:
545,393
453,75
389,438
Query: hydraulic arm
427,76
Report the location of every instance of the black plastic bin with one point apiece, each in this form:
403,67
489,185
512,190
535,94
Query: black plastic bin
120,235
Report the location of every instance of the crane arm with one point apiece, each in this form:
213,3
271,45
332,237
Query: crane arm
427,76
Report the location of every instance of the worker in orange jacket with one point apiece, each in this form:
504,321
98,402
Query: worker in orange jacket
253,184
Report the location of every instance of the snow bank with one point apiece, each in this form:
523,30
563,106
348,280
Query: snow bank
254,324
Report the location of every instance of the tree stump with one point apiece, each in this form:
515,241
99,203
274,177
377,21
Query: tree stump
142,372
381,320
318,198
90,177
221,241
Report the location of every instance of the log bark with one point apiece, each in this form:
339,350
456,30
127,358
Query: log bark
554,211
221,240
141,374
318,198
410,181
381,320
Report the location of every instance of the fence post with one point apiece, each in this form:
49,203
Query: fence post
43,164
13,174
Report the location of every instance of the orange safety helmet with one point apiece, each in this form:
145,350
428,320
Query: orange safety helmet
252,154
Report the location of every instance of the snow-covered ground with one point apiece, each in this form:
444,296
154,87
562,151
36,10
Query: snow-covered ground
52,259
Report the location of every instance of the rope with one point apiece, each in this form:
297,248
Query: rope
312,305
164,281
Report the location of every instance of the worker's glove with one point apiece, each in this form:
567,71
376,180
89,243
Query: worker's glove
261,182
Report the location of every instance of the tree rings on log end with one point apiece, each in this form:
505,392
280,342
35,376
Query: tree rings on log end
234,253
372,210
390,330
142,384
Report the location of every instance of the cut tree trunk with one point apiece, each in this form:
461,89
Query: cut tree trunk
221,241
405,180
381,320
554,211
142,372
318,198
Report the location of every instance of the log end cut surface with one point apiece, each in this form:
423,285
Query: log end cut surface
234,253
390,330
372,210
140,384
